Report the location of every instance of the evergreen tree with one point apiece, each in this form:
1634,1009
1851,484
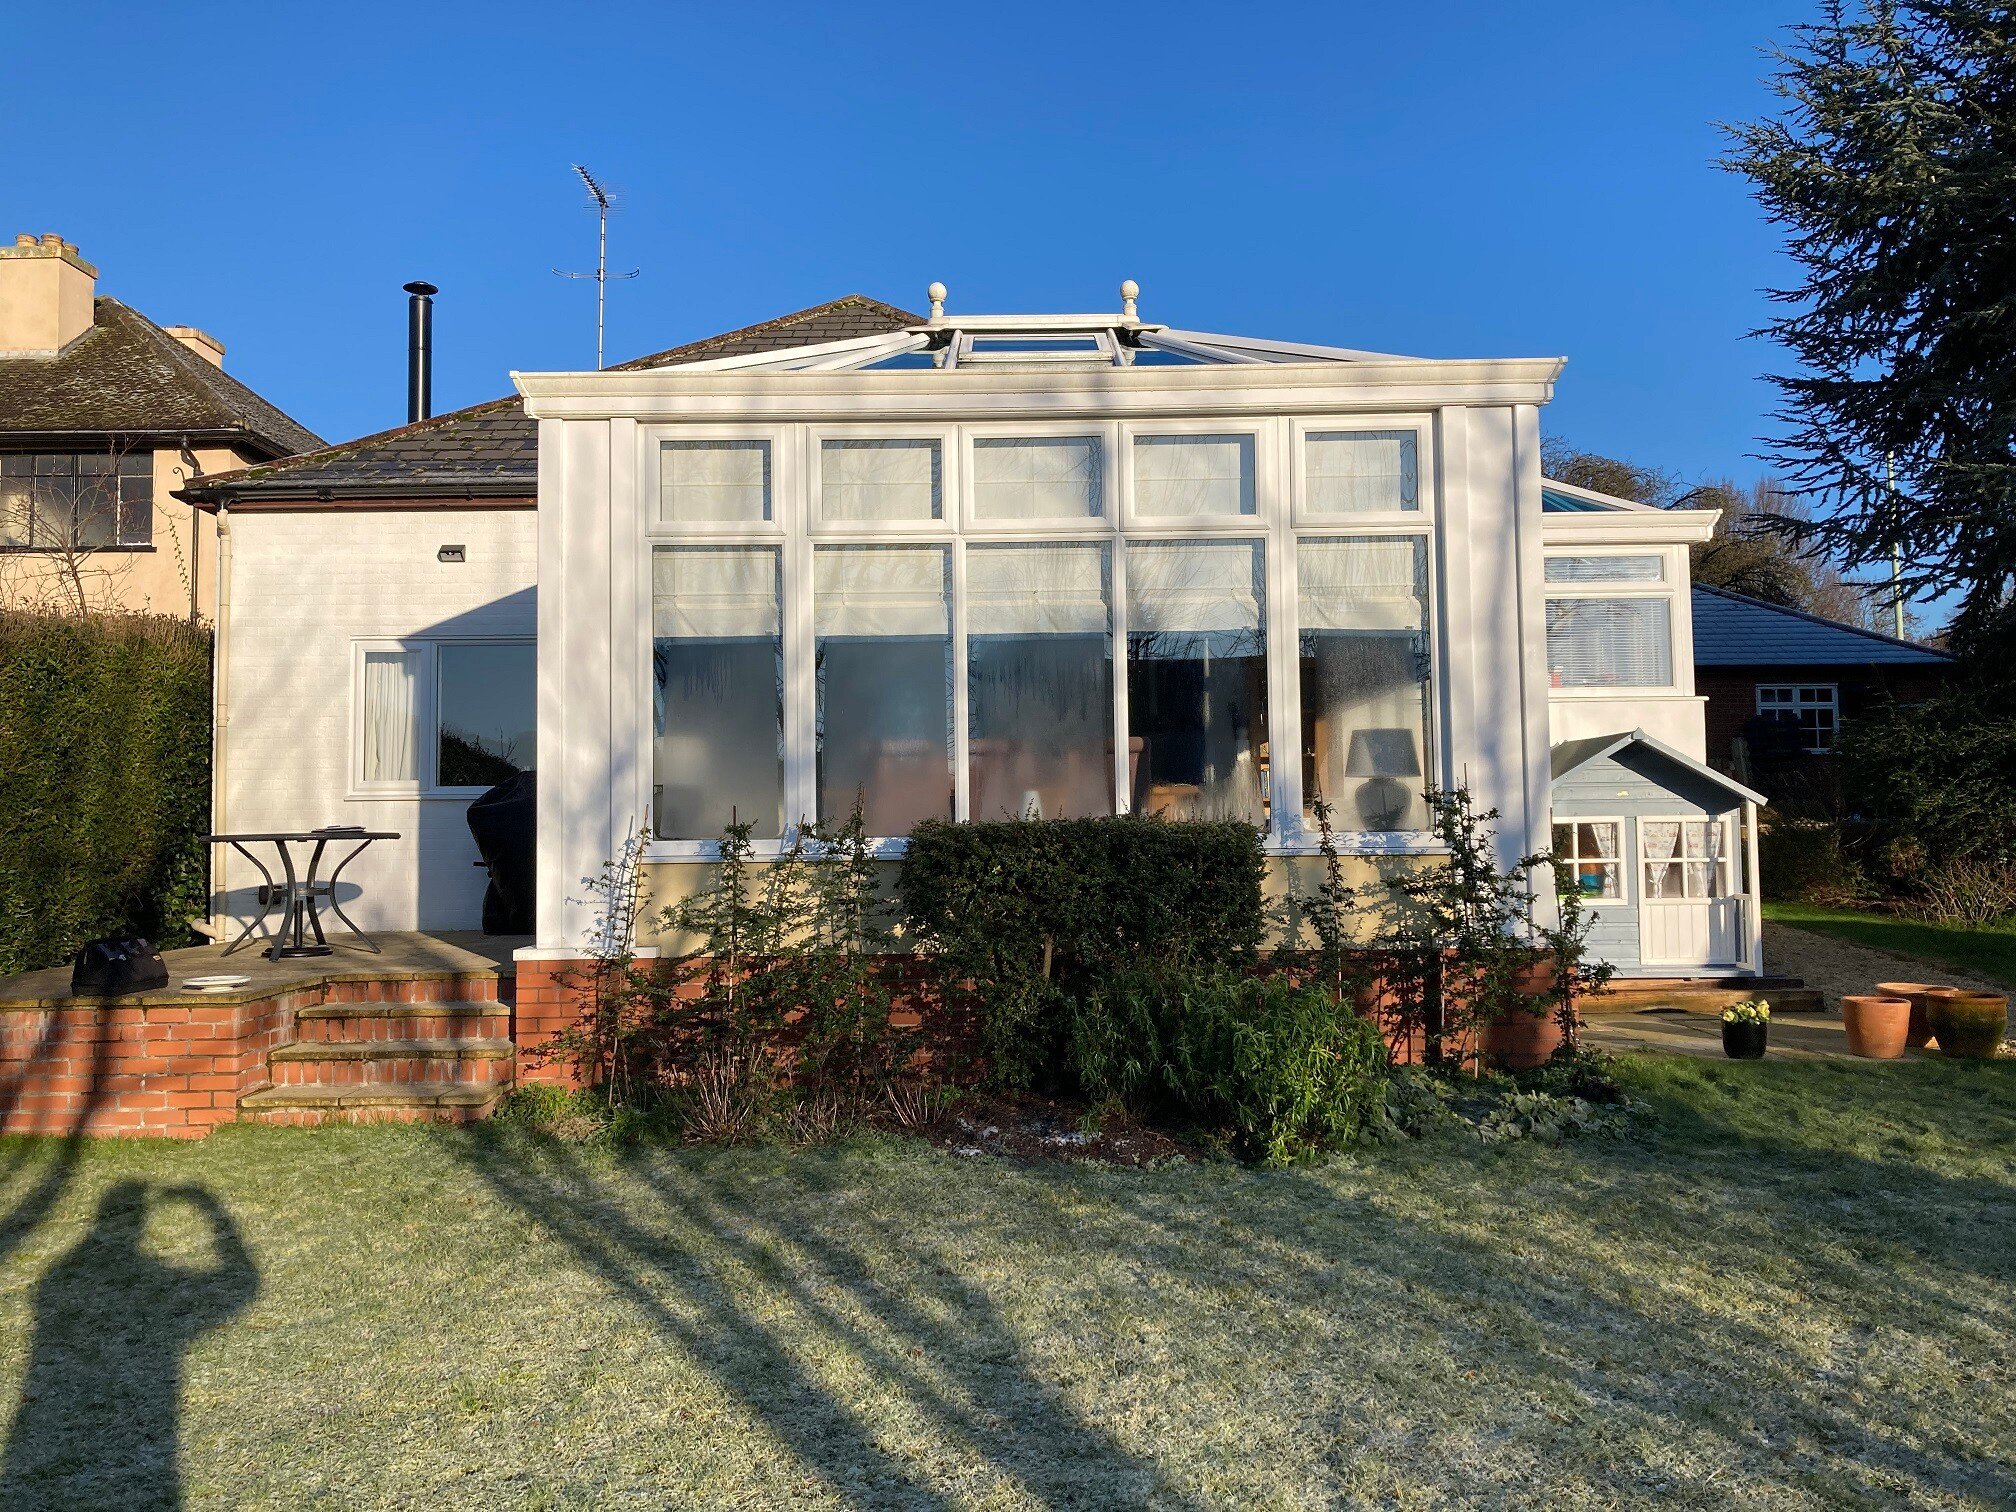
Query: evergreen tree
1892,167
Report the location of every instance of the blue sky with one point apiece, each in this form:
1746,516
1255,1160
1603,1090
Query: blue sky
1463,180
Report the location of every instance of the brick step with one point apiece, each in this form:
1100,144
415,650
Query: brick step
419,1102
356,1063
453,987
365,1022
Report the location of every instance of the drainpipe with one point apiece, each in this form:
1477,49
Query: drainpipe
220,726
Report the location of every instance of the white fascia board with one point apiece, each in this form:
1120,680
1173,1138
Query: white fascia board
1648,527
1285,350
930,395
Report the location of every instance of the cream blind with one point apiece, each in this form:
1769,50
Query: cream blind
1194,585
714,481
881,590
1036,590
1355,472
714,593
1368,583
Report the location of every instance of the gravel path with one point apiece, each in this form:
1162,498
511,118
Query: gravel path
1837,968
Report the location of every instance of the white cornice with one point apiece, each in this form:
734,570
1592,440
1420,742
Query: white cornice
1671,527
666,394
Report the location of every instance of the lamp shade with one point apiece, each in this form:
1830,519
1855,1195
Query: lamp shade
1382,753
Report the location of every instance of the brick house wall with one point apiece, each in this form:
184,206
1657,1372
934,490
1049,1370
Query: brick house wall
1732,693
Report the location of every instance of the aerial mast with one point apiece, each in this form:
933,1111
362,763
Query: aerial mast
601,199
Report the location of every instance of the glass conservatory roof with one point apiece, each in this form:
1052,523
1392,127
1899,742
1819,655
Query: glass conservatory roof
1031,343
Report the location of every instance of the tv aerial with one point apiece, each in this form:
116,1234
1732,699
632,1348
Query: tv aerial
601,199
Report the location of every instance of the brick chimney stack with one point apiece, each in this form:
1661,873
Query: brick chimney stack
45,296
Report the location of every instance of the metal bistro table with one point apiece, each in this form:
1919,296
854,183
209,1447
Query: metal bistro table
299,893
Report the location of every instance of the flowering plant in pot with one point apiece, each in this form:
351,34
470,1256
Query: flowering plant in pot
1745,1027
1967,1025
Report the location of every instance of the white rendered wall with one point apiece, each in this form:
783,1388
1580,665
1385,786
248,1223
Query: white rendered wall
304,586
1677,719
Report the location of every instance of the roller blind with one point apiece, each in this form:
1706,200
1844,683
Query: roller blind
1036,590
1193,475
1357,472
1605,569
881,590
894,479
1037,478
714,481
1368,583
714,593
1597,642
1194,585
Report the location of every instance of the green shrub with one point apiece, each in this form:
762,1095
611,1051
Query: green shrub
1806,861
1284,1070
1021,915
1940,775
104,781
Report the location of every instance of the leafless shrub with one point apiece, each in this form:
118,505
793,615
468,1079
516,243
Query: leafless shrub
727,1100
1966,891
823,1116
915,1104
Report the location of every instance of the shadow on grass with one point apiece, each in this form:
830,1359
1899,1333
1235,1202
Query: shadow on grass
687,1265
98,1419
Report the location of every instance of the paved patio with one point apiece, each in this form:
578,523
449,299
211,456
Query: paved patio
1794,1036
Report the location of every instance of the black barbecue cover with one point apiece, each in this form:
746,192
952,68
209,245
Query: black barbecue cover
503,821
119,963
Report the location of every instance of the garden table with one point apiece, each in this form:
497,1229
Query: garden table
297,896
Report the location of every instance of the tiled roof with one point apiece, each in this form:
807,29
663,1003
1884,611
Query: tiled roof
127,376
491,450
1734,630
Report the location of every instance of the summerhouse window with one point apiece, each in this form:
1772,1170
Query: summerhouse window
1684,858
1593,851
717,692
882,620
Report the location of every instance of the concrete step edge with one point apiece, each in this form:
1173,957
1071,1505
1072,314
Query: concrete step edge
470,1048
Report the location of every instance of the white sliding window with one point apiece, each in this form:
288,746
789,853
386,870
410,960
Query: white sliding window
1364,671
883,652
717,691
892,479
1037,478
390,743
1039,660
1197,678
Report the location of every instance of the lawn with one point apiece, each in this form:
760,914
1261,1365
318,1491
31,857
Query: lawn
1989,952
1791,1287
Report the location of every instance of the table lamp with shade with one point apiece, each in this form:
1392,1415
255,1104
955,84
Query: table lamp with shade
1381,758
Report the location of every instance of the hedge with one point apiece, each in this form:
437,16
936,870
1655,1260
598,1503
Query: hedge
1030,912
104,781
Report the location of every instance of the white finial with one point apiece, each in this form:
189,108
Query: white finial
1129,292
936,294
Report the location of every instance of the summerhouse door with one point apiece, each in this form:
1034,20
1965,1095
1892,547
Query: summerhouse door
1690,913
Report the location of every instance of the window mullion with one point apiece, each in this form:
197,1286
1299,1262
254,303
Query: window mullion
962,775
1117,620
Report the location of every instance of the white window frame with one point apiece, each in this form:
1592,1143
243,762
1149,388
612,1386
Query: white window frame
950,490
425,786
1351,522
1832,704
784,462
1622,858
1732,875
1673,575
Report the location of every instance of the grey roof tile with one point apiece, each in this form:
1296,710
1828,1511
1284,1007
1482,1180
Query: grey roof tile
1735,630
491,450
127,376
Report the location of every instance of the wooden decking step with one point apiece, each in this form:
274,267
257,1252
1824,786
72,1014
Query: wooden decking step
470,1048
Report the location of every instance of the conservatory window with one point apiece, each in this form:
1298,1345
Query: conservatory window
1187,476
1037,478
1039,680
1609,642
882,629
1364,664
1684,858
886,479
1362,472
1592,850
714,482
1197,678
486,712
717,692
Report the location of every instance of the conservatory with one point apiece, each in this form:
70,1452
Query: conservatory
1032,566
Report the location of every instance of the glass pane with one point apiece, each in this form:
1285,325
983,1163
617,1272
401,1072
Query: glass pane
1197,679
1364,674
883,621
16,510
896,479
1597,840
488,699
1039,677
1037,478
1193,475
1663,880
1355,472
717,692
1609,643
1564,840
53,509
97,494
389,716
714,482
136,503
1605,569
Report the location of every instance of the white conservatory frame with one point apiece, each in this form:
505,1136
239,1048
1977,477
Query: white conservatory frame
1478,492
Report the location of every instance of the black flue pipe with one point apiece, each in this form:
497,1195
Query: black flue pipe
419,350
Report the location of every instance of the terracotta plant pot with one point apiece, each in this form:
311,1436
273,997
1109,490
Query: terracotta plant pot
1743,1041
1877,1026
1521,1041
1921,1028
1967,1025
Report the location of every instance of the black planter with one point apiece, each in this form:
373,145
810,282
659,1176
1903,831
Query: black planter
1742,1041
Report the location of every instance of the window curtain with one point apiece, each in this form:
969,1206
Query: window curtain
1193,475
391,685
1355,472
1037,478
895,479
714,481
1597,643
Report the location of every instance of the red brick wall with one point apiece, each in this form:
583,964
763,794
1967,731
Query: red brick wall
1732,693
175,1069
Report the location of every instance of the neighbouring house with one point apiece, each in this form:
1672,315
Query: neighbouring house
1781,682
103,415
971,567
